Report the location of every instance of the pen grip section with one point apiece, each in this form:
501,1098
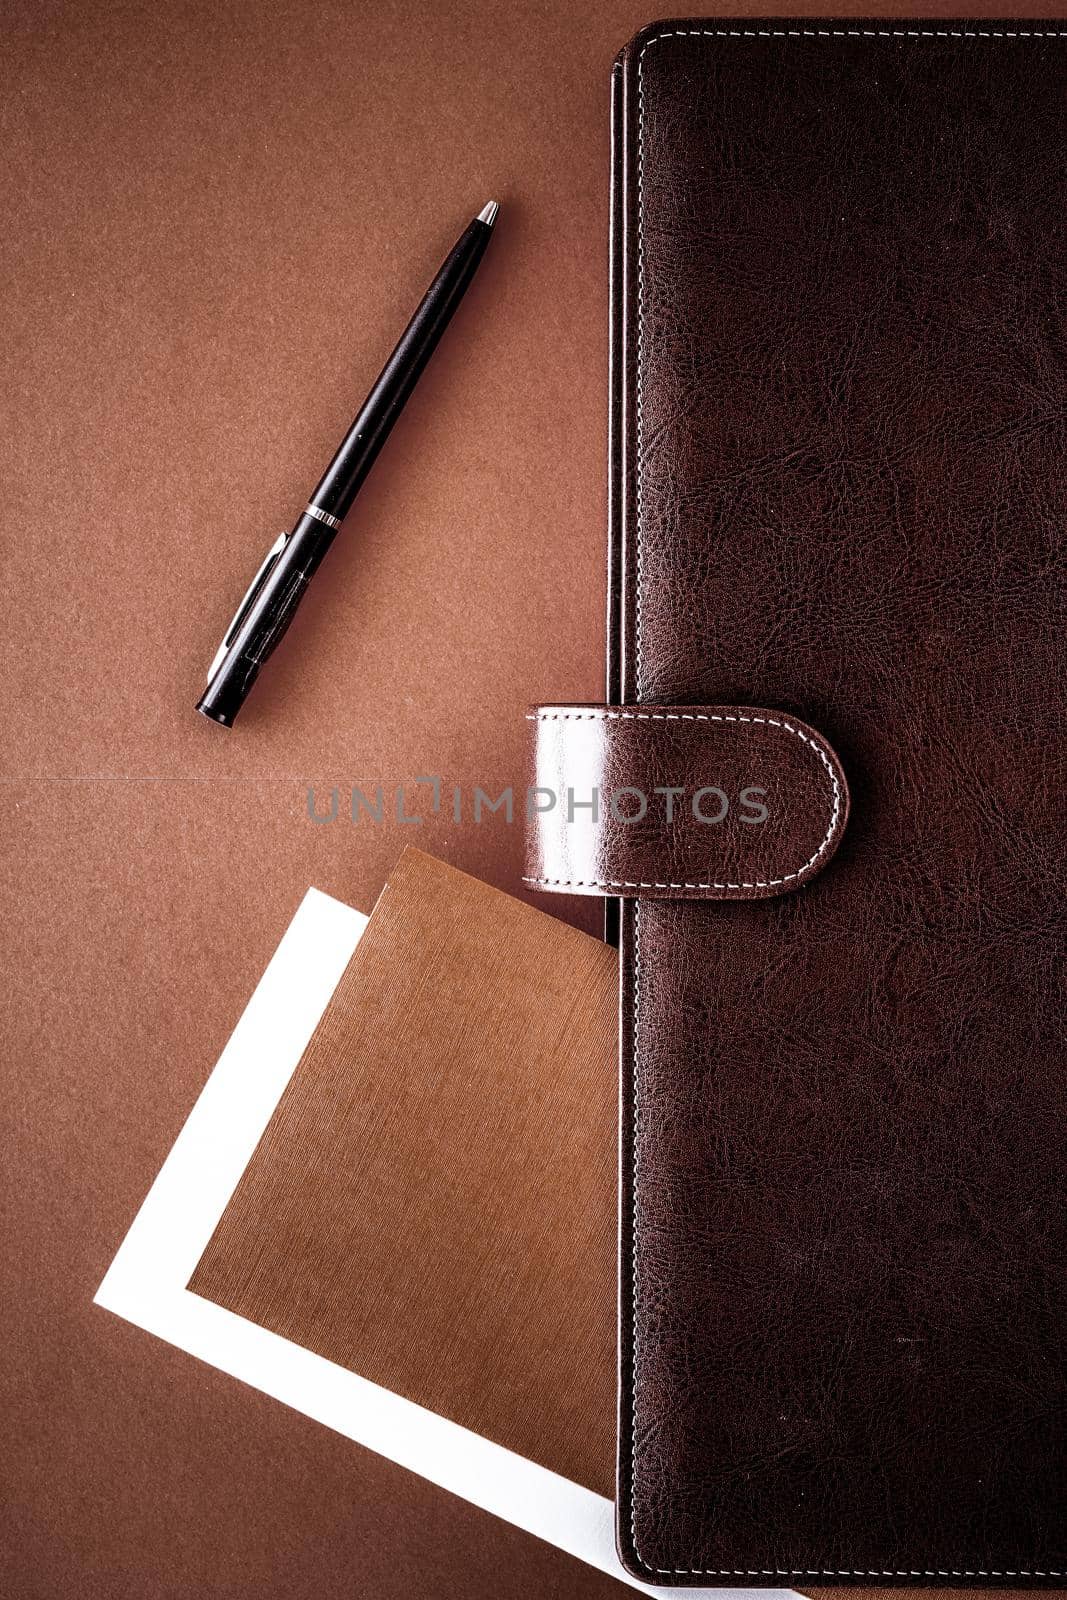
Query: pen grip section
266,614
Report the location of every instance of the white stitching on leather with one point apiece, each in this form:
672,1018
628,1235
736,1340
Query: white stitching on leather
862,33
692,716
633,1240
639,577
749,33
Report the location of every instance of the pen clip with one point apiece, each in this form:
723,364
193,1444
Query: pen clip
246,604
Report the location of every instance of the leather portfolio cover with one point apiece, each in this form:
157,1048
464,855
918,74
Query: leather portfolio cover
838,494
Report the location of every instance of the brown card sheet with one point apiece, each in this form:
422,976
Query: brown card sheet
433,1202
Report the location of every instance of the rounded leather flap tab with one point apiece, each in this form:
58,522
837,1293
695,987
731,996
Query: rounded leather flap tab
680,802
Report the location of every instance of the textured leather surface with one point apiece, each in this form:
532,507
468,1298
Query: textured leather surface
840,489
679,802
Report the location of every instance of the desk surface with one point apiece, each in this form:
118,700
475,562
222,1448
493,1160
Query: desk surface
217,219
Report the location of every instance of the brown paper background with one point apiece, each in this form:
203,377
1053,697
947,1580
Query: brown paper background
432,1204
216,217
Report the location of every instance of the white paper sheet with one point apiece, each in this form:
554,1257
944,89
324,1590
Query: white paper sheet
146,1281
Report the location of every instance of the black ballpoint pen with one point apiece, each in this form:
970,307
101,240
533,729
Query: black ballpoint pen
291,562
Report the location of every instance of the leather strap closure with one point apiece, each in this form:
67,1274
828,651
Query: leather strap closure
679,802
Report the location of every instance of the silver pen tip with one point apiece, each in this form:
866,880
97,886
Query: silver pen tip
488,213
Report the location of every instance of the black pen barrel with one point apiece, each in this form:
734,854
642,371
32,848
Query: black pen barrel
278,587
343,477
